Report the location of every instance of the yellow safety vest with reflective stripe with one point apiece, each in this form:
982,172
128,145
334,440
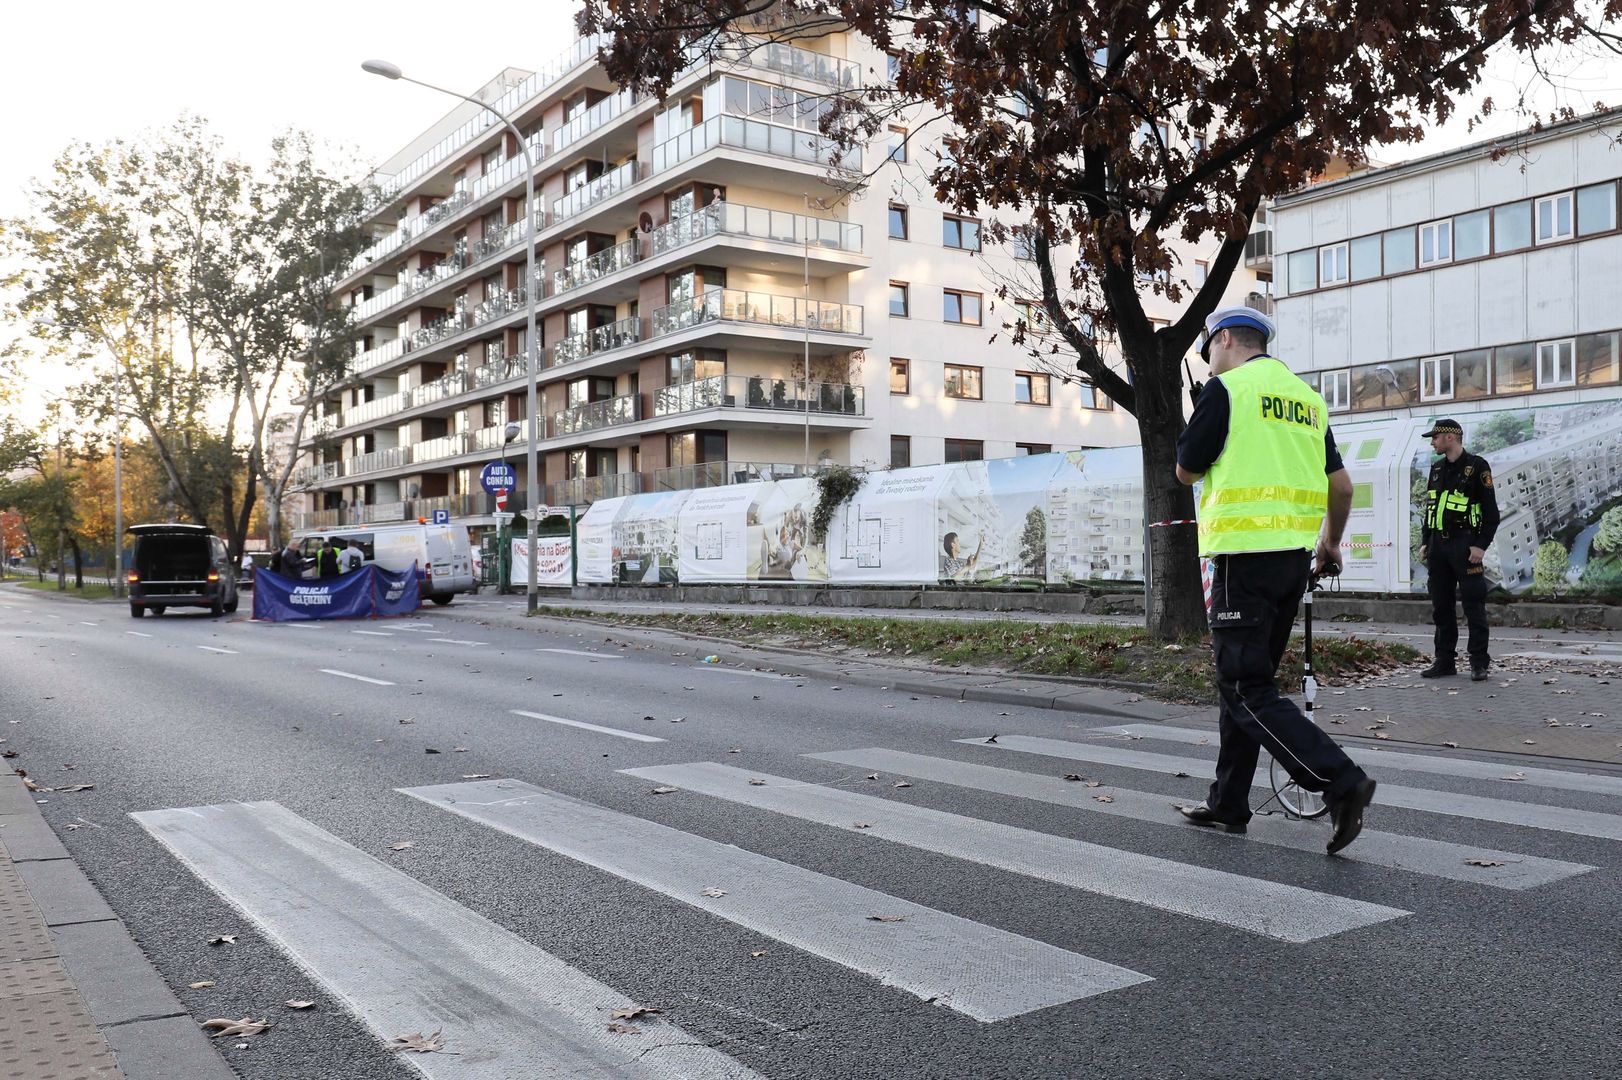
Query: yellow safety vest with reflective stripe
1267,490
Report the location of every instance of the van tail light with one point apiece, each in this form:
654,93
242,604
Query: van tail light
213,575
133,578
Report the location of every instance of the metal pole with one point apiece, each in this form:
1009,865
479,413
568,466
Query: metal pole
61,533
532,487
805,391
118,484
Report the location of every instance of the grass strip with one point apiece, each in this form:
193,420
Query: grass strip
89,592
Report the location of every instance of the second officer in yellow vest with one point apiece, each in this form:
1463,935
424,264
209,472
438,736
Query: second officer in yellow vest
1260,439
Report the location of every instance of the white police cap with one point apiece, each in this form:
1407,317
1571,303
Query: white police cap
1240,315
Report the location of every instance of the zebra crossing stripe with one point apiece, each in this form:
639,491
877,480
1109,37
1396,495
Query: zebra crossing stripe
1434,858
403,957
1481,808
977,970
1268,908
1377,758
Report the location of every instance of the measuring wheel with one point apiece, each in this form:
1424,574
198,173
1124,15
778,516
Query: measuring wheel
1296,800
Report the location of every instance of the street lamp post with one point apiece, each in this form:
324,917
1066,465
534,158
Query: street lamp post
532,490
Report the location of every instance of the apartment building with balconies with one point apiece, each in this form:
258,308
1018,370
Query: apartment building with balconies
721,297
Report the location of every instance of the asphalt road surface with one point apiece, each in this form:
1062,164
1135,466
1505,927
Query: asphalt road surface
505,835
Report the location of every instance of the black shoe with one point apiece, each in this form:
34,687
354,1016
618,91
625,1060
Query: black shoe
1347,814
1478,674
1438,670
1200,814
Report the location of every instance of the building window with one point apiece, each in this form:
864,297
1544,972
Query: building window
898,222
1436,378
1033,315
1596,209
960,232
1513,369
897,144
898,299
1436,243
1470,235
1025,449
1597,359
965,450
1554,218
1557,364
1093,398
900,451
892,66
1398,245
1032,388
1365,257
1512,226
1201,269
900,376
1337,389
1021,246
1333,268
963,381
961,307
1302,271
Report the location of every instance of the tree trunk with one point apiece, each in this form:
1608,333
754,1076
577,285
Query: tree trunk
273,517
78,563
1177,606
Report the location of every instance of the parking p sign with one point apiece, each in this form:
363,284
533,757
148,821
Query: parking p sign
498,476
442,517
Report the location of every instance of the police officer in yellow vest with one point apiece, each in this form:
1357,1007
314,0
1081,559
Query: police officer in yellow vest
1260,439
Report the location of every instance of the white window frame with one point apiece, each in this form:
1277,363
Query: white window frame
1436,378
1337,389
1547,349
1552,202
1330,257
1441,234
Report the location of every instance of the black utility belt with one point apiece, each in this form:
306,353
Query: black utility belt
1452,536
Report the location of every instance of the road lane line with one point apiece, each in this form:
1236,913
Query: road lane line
136,633
581,652
214,648
1481,808
83,623
1375,758
357,678
1283,912
752,674
457,641
417,629
402,957
374,633
302,625
1415,854
977,970
637,735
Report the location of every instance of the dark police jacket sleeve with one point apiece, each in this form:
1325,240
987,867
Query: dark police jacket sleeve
1472,477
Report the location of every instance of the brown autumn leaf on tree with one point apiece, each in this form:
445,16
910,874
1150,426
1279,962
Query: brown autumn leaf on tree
1101,135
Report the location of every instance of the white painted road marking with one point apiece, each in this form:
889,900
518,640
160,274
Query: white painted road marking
357,678
1434,858
403,957
753,674
212,648
581,652
302,625
977,970
418,629
374,633
1504,811
1373,758
136,633
456,641
83,623
1284,912
637,735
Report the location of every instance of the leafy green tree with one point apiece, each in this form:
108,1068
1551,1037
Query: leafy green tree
1033,543
1504,429
1550,568
1609,537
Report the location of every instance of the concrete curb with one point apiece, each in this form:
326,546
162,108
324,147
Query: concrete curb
151,1034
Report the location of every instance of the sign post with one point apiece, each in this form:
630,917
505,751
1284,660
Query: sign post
497,478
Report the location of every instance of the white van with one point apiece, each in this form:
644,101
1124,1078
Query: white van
443,553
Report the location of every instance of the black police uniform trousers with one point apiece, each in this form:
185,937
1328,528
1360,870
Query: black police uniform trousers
1254,598
1447,558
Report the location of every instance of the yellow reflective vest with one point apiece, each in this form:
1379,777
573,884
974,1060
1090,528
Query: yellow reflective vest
1267,491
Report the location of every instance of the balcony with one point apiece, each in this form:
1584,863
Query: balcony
446,446
1259,248
758,392
447,386
720,473
499,370
756,135
441,328
377,357
593,118
588,489
498,306
1262,302
305,475
738,219
509,170
445,268
609,184
800,63
377,461
377,408
605,262
595,415
765,309
596,340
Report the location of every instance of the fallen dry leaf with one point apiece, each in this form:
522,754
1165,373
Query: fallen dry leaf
1514,776
871,776
1180,775
886,918
31,786
678,719
403,845
72,827
1103,798
224,1029
1452,745
1530,742
223,939
417,1043
757,783
624,1029
78,787
458,749
712,891
634,1012
1076,777
903,783
992,739
296,1004
1381,735
409,720
1483,862
758,953
662,791
476,776
736,750
8,753
203,985
862,825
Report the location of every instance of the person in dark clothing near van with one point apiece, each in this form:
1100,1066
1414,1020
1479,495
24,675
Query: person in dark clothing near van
292,561
326,560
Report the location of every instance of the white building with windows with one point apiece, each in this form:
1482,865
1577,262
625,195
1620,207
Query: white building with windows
693,263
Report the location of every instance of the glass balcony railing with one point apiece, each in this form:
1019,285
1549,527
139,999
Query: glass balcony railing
499,305
738,219
605,262
378,460
441,328
736,305
801,63
593,118
315,474
499,370
446,446
597,414
607,185
377,408
588,489
759,392
426,279
447,386
719,473
598,339
744,134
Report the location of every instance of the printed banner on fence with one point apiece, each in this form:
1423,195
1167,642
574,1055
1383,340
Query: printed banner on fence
365,593
552,560
395,592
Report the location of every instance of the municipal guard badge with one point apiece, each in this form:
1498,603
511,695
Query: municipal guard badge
1468,470
1486,479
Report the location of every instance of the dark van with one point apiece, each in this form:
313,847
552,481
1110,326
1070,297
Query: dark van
176,565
